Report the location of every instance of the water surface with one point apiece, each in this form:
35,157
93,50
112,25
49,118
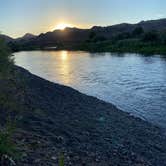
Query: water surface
133,82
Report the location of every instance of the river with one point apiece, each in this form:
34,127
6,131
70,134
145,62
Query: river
134,83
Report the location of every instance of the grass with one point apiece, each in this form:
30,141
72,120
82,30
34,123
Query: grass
7,145
6,62
8,148
61,160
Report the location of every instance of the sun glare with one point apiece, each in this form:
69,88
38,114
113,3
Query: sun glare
62,26
64,55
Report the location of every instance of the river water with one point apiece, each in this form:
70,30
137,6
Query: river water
134,83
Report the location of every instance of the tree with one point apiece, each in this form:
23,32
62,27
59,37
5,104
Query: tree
162,37
137,31
122,36
99,39
5,58
92,35
151,36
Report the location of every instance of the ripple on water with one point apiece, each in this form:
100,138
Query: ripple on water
134,83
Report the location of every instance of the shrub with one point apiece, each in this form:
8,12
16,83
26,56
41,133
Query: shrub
7,146
151,36
61,160
137,32
5,58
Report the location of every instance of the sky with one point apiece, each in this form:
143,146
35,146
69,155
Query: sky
18,17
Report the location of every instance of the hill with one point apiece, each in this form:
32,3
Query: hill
153,32
27,36
6,38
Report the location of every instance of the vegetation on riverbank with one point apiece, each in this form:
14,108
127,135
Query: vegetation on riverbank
5,60
124,46
137,41
7,125
56,124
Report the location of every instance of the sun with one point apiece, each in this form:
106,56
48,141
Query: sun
62,26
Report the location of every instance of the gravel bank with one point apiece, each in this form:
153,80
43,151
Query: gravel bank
59,122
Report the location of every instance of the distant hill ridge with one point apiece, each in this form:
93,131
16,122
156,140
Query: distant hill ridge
76,35
26,36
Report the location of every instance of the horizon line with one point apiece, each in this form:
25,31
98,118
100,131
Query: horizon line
77,27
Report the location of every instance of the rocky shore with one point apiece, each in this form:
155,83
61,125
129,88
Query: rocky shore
56,123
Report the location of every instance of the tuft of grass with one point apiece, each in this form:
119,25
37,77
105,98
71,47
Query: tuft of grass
61,160
7,146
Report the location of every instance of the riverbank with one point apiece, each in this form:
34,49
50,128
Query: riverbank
119,46
126,47
139,48
55,122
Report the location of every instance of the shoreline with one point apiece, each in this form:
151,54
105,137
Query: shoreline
118,51
57,119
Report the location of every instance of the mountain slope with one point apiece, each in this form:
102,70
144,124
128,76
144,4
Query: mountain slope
74,36
26,37
6,38
109,31
77,35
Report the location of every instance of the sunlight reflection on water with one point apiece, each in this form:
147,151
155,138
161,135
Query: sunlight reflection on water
135,83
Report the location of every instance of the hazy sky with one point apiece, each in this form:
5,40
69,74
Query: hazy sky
35,16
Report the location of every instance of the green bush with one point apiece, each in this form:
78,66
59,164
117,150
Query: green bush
7,146
5,58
